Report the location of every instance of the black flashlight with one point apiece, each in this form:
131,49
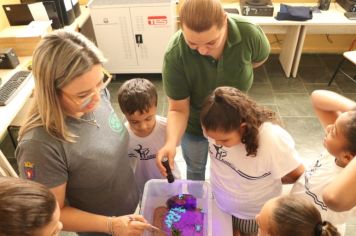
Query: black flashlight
170,176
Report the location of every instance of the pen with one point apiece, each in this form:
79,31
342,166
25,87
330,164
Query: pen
152,228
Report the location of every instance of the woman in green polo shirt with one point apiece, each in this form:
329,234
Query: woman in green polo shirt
212,49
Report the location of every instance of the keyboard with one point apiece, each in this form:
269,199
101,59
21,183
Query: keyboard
12,86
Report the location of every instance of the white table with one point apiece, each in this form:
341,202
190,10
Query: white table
332,21
9,112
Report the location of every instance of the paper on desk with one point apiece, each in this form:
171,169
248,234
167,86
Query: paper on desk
68,4
38,11
35,28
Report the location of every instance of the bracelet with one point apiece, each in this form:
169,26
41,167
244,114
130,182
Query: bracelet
110,225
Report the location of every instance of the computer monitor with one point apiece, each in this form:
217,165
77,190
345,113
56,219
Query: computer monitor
53,14
76,7
66,16
257,2
18,14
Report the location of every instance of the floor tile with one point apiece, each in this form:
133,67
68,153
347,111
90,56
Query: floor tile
315,86
262,93
281,84
350,95
345,84
294,104
314,74
260,75
308,135
273,65
307,60
331,61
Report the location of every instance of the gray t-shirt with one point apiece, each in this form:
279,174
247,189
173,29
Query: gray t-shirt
96,168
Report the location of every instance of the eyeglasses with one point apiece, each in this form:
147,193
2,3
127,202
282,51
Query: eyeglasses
83,101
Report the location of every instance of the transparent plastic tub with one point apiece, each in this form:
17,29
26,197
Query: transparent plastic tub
157,191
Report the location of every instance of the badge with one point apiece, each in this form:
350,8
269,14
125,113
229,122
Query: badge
29,169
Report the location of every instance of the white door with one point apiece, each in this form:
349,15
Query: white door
114,36
153,26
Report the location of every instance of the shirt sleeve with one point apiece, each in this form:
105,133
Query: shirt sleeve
260,46
284,156
174,79
42,163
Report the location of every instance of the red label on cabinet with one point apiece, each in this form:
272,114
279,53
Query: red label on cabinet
157,20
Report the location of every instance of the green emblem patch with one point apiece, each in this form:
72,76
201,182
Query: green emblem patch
115,124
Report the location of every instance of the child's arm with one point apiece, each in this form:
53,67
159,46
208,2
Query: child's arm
329,105
340,195
292,176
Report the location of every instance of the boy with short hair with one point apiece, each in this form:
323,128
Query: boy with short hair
138,102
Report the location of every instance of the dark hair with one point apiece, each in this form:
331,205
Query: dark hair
295,216
201,15
226,108
25,206
137,95
350,132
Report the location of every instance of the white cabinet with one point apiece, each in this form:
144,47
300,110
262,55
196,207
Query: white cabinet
133,35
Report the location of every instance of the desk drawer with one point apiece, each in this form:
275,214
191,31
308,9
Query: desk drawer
274,29
345,29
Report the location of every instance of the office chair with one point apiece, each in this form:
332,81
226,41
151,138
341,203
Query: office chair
349,55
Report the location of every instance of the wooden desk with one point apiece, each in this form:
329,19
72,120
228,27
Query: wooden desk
332,21
270,25
9,112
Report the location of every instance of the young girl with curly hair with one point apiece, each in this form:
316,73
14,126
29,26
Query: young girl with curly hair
251,155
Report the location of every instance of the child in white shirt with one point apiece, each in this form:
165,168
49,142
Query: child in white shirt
251,156
138,101
337,114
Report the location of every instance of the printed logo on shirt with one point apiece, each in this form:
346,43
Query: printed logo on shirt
218,153
29,169
308,175
115,124
143,153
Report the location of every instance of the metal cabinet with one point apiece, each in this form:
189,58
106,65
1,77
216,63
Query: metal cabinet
133,35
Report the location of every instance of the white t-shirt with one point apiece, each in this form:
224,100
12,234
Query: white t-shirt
242,184
311,184
143,151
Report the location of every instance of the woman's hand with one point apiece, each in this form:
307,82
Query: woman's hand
129,225
169,152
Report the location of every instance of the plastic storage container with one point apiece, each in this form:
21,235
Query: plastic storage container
157,191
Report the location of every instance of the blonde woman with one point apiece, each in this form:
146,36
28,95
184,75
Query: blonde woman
73,142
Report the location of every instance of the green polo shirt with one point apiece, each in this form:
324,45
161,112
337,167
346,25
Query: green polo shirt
187,74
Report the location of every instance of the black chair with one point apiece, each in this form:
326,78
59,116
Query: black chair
350,56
